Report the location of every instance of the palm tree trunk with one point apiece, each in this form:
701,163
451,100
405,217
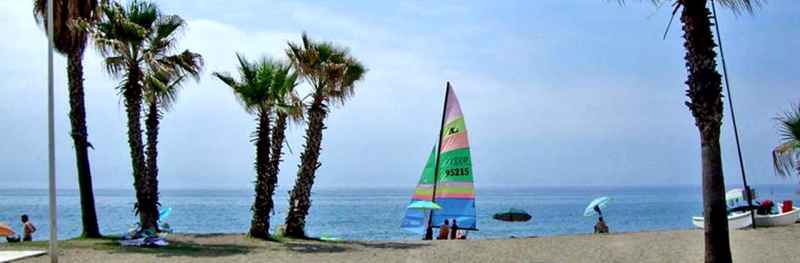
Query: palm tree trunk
151,124
262,205
148,214
705,103
278,135
80,137
300,201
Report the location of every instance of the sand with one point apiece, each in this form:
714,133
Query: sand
780,244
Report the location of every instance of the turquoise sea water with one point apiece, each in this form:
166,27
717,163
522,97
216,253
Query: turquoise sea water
375,214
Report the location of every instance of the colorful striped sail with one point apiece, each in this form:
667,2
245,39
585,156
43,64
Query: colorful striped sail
454,189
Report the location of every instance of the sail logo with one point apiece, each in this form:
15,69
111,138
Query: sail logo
452,130
457,161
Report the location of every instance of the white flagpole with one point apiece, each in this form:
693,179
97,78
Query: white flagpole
51,138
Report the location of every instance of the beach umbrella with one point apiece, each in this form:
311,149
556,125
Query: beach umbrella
513,215
596,205
164,213
424,205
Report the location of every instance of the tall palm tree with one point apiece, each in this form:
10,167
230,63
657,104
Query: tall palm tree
160,92
332,74
260,87
288,109
786,157
705,102
135,41
71,42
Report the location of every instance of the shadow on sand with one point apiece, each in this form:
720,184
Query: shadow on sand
183,248
221,245
319,246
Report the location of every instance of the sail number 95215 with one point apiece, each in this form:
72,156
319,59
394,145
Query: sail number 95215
457,172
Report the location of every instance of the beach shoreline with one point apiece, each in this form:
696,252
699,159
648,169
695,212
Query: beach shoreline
776,244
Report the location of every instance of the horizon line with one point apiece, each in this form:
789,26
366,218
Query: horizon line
495,186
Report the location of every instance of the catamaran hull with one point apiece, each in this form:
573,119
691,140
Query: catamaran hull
784,219
798,217
736,221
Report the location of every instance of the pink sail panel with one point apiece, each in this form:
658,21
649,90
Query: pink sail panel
455,141
453,108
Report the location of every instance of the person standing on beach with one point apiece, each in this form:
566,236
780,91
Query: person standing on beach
453,230
27,229
444,231
600,227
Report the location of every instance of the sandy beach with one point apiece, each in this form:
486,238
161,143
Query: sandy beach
762,245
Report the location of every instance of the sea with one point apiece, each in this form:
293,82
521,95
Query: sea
376,213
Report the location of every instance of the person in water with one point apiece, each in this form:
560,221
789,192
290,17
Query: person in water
444,231
453,230
600,227
27,229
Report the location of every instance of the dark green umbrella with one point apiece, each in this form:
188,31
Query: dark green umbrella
513,215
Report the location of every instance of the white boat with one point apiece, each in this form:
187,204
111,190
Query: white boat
783,219
735,221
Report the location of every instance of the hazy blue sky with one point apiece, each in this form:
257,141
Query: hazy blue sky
554,93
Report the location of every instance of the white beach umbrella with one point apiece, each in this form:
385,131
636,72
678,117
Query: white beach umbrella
600,203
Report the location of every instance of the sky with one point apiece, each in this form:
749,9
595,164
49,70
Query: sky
554,93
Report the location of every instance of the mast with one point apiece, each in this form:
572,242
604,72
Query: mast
438,153
747,190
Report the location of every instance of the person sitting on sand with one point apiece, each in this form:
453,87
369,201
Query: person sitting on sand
462,234
12,239
12,236
453,230
28,229
600,227
444,231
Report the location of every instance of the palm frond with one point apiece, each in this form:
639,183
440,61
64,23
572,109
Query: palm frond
162,38
168,98
790,125
786,156
330,69
138,37
737,6
226,78
143,13
116,65
263,85
740,5
66,14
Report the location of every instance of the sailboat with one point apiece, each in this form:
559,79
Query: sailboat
447,179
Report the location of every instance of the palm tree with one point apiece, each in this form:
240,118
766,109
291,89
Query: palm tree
332,74
786,157
135,40
161,91
705,102
288,108
71,42
260,87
